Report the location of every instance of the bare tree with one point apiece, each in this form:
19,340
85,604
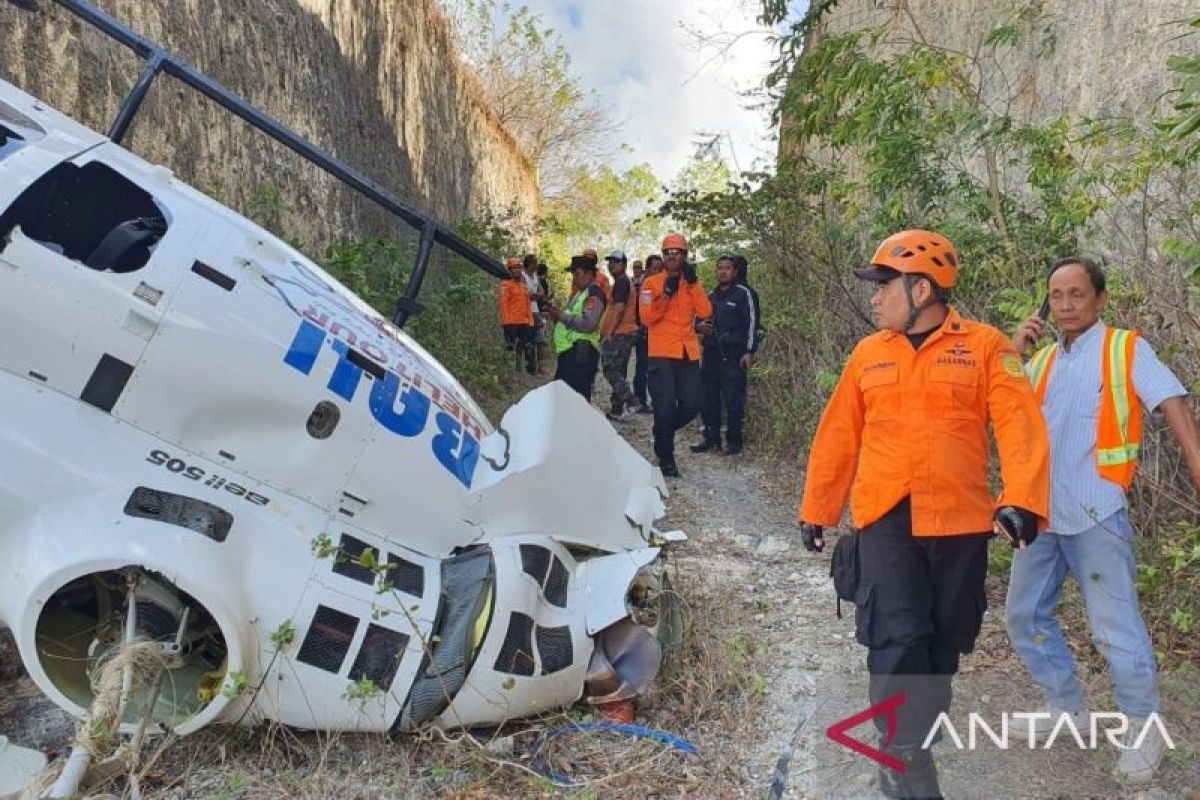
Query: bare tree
528,79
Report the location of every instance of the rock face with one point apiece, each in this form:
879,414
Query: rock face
1085,58
376,82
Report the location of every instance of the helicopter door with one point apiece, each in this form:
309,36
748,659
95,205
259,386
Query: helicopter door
90,253
215,382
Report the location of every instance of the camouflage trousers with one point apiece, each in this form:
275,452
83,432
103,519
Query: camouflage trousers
614,354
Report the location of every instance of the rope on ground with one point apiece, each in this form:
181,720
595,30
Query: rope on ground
780,775
636,731
98,730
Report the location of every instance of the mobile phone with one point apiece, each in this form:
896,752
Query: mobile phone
1043,311
1000,529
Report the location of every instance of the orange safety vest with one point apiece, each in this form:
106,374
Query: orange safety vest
628,320
513,302
913,423
1119,433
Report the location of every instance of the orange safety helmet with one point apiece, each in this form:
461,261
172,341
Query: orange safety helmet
914,252
675,241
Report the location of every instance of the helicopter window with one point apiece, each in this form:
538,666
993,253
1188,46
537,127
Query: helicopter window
91,214
10,141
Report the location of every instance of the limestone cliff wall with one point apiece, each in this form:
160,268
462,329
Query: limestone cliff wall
376,82
1084,58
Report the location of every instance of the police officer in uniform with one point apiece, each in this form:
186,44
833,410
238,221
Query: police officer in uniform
729,341
577,328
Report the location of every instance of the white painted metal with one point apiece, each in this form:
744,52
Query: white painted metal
19,768
224,379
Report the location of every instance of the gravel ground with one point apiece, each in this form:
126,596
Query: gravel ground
744,539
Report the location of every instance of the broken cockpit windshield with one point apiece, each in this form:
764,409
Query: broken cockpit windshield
16,131
91,214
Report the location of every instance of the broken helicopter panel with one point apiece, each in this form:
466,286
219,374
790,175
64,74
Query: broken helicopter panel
211,444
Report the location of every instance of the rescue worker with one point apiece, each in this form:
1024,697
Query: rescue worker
543,274
760,328
547,297
577,328
640,386
671,301
601,279
618,335
727,345
516,314
529,266
904,437
1089,383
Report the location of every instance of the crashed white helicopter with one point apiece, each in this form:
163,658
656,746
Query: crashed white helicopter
211,444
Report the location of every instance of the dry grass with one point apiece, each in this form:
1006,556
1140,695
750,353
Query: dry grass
709,693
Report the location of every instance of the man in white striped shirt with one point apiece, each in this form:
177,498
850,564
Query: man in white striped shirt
1090,384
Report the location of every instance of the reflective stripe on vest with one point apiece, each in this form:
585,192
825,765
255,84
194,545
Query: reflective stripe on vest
564,337
1119,432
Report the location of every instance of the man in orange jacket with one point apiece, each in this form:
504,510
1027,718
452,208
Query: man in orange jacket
904,437
516,314
670,303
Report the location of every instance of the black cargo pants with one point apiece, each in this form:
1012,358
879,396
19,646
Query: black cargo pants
919,606
724,387
577,368
675,389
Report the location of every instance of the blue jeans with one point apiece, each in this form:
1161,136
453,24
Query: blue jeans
1101,559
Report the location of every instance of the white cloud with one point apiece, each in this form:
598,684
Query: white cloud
645,65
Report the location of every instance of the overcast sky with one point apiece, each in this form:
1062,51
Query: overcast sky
666,89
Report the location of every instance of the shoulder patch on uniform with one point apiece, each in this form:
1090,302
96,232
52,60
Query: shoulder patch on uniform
1012,365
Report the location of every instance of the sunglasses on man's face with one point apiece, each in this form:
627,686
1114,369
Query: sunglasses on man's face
673,253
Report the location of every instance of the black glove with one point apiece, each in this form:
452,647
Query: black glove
689,272
813,537
1019,525
672,285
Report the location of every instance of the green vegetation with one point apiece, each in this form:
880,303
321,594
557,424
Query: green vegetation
883,131
458,325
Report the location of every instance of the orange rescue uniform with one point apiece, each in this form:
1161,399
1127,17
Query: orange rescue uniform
669,320
627,323
514,303
905,422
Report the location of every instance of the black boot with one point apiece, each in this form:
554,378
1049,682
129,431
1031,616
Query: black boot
918,781
706,444
668,468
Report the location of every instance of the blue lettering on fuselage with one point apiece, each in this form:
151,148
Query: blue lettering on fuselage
404,413
408,422
455,449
